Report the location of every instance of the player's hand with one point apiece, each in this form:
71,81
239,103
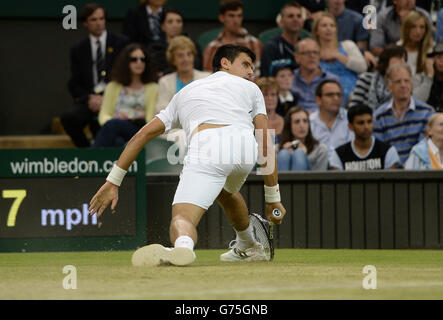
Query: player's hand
107,194
270,207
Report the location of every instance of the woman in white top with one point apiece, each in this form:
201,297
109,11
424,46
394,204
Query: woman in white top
428,153
417,40
180,56
343,59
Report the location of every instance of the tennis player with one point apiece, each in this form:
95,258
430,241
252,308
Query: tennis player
219,114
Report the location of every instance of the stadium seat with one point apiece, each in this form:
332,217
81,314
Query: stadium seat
162,165
207,37
50,141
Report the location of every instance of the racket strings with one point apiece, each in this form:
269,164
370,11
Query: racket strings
261,232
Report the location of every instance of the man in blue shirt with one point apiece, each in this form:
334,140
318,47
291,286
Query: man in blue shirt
350,27
329,124
401,121
309,74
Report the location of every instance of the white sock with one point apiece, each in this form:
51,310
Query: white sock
184,242
245,238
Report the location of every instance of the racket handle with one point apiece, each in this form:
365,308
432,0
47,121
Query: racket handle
276,214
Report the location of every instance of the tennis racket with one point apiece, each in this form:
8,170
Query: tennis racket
264,232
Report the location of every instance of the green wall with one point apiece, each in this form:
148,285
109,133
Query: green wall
191,9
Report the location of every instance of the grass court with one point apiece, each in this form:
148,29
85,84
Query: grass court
294,274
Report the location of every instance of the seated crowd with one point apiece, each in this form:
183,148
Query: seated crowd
338,96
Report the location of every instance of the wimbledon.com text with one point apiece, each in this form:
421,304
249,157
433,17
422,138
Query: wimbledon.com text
56,166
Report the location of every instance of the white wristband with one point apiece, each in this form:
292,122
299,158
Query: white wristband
272,194
116,175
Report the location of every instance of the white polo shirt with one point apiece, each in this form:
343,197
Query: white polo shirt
220,98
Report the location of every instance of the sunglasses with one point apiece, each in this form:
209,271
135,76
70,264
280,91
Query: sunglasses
135,59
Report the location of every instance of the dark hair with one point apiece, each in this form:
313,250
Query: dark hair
230,52
121,72
286,134
358,110
89,9
319,88
230,5
389,52
169,10
294,4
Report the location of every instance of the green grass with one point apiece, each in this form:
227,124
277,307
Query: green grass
294,274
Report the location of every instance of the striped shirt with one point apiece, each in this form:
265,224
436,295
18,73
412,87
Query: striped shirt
371,90
405,132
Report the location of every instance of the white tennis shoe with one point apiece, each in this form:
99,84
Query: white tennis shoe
156,255
255,253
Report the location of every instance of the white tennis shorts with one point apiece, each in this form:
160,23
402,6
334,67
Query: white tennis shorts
217,158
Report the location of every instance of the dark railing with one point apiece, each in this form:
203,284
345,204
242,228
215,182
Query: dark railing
360,210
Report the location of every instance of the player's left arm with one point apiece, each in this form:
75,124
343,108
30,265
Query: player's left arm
269,162
108,193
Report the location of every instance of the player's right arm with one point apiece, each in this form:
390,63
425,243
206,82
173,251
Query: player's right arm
108,193
268,163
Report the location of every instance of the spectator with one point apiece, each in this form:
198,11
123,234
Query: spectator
311,10
309,75
416,39
282,45
180,56
91,61
129,101
172,25
350,27
439,26
436,96
371,87
424,4
283,72
329,124
306,153
401,121
357,5
343,59
269,88
389,22
428,153
142,24
364,152
231,16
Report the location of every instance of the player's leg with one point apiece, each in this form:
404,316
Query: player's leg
183,227
245,247
235,209
183,234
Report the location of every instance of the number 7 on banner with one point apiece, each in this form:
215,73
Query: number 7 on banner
19,195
